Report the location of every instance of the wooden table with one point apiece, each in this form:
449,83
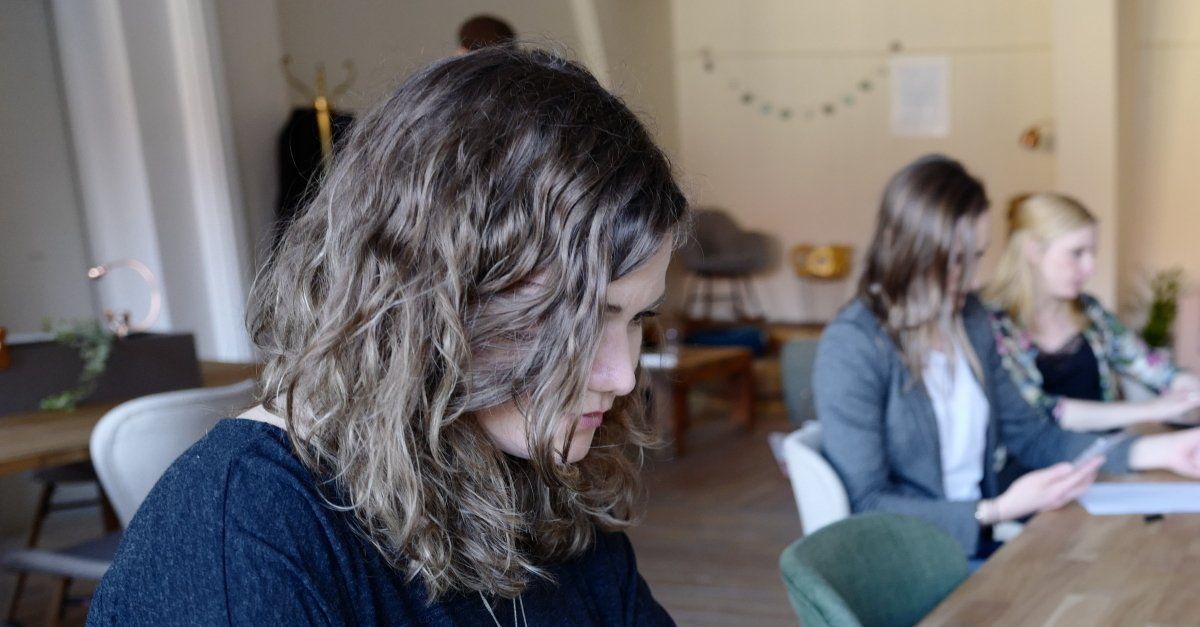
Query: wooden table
38,439
702,363
1071,568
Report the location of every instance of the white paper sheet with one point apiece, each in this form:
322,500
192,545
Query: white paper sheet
1108,499
920,96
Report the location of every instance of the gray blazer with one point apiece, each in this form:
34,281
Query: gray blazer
880,433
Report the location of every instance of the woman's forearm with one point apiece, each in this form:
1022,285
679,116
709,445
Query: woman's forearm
1079,415
1185,381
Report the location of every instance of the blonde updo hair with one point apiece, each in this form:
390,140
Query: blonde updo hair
1040,218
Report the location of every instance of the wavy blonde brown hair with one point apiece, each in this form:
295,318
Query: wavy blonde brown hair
1037,218
456,258
926,221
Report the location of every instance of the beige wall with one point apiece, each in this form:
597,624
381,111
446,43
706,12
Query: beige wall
1086,40
639,49
387,40
258,107
1160,218
810,180
819,180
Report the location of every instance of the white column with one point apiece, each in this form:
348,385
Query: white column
117,210
216,202
156,161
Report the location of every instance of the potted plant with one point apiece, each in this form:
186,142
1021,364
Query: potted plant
1164,301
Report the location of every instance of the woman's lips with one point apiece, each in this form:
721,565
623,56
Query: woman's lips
591,420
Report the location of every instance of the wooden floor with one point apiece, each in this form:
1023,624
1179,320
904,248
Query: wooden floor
708,547
716,522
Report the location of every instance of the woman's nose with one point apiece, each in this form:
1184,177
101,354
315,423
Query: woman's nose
613,369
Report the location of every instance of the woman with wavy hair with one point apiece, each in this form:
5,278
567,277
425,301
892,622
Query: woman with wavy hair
451,330
911,395
1063,349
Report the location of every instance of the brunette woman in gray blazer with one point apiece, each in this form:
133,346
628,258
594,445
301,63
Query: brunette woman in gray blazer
910,391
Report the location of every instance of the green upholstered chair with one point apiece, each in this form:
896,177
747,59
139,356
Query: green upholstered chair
871,569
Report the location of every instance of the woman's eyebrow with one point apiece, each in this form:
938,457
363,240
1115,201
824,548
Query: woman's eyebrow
617,309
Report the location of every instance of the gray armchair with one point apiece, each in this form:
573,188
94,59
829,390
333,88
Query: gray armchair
721,250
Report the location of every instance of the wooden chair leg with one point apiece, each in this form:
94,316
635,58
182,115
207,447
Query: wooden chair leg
679,417
58,599
744,405
35,533
40,513
11,617
737,288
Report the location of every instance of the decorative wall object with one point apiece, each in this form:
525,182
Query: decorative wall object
856,88
1038,136
920,96
119,322
829,262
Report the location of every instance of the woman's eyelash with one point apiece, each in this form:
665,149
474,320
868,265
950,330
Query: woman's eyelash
643,316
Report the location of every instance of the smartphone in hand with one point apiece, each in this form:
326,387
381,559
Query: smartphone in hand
1101,446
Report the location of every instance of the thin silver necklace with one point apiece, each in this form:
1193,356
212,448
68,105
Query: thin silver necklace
517,601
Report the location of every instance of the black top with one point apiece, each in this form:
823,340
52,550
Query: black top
1072,371
236,533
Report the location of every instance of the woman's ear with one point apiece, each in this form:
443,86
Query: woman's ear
1033,250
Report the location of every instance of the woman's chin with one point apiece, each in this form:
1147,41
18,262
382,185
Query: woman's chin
580,445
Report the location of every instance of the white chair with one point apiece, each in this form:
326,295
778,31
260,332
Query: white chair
133,444
820,495
131,447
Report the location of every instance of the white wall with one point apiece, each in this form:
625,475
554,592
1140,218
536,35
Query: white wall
388,40
1160,221
820,180
639,49
251,49
1087,121
43,258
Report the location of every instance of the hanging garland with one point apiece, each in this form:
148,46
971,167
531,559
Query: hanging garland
787,111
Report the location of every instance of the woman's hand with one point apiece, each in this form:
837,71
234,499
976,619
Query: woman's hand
1177,404
1046,489
1178,452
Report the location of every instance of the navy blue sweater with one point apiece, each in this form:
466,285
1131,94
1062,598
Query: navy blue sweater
237,533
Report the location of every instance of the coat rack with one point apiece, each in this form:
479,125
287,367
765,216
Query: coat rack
321,98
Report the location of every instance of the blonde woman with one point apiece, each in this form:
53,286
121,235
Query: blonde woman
451,330
1063,349
910,391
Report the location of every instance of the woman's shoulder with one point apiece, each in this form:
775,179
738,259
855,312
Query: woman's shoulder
242,469
235,456
173,553
1094,309
856,318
